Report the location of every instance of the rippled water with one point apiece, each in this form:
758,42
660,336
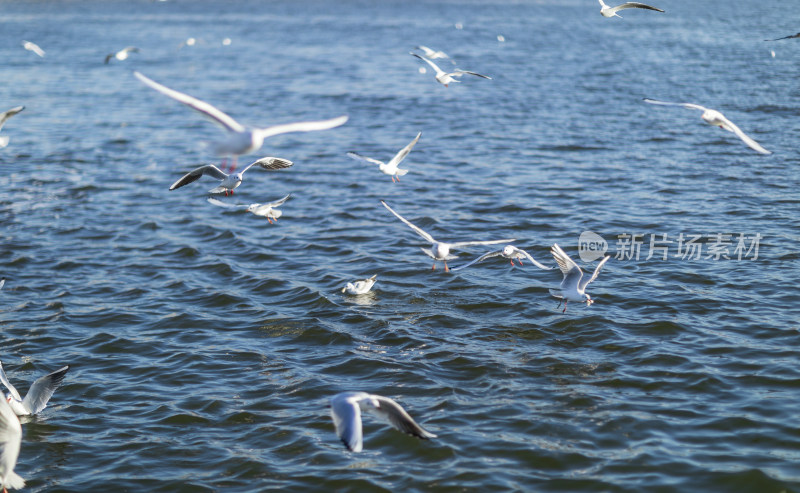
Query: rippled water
206,343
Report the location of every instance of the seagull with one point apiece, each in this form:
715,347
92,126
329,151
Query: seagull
714,117
785,37
607,11
390,168
441,250
4,116
40,392
268,210
432,54
346,413
447,77
10,441
573,285
30,46
239,139
229,181
122,54
510,252
360,287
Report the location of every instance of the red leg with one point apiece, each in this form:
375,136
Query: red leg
233,165
434,266
565,306
520,261
446,269
512,262
398,178
392,178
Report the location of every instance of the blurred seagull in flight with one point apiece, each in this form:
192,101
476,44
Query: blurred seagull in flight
441,250
229,181
447,77
30,46
574,284
510,252
4,116
607,11
268,210
431,54
360,287
38,395
717,119
10,442
390,168
346,413
239,139
122,54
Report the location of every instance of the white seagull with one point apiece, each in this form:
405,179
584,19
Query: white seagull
431,54
441,250
40,392
30,46
717,119
268,210
4,116
510,252
229,181
447,77
360,287
607,11
574,284
122,54
10,441
390,168
346,413
239,139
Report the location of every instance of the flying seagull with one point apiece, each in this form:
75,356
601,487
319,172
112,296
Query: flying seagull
510,252
229,182
574,284
447,77
31,46
360,287
268,210
390,168
10,442
4,116
431,54
607,11
717,119
38,395
346,413
122,54
239,139
441,250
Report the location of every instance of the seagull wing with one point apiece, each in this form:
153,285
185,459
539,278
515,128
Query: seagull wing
433,65
195,174
479,259
462,72
346,415
301,127
585,282
473,243
10,441
533,260
398,158
202,107
398,417
9,113
690,106
226,205
785,37
634,5
731,127
270,163
4,380
42,390
279,202
572,273
419,230
355,155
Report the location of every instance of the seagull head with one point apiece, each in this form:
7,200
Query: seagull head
589,300
508,250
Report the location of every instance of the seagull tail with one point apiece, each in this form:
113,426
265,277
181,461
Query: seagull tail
14,481
556,293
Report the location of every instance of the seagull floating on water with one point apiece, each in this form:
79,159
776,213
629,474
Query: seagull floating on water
239,139
441,250
607,11
38,395
390,168
717,119
346,413
447,77
31,46
268,210
510,252
574,284
122,54
229,181
4,116
10,442
360,287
